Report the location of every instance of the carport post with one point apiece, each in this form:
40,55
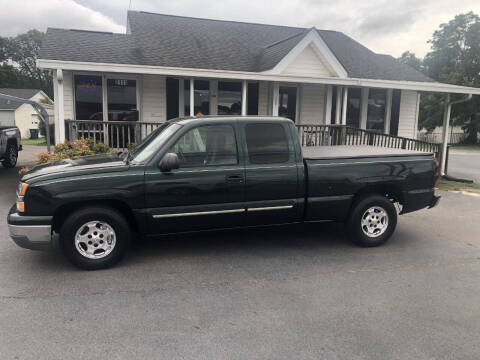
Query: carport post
446,124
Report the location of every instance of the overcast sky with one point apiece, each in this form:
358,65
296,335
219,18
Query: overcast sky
385,26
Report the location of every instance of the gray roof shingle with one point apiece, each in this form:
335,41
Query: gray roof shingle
177,41
20,93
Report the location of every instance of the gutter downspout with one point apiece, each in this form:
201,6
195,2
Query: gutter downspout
38,108
446,124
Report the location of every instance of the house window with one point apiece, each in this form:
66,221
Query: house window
229,98
287,102
396,97
252,96
353,107
201,97
122,100
377,99
88,97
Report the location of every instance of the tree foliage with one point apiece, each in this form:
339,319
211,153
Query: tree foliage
454,59
18,56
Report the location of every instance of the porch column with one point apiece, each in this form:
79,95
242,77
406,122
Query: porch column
338,105
445,132
244,97
364,108
213,97
61,110
275,95
344,107
181,97
328,104
192,98
388,111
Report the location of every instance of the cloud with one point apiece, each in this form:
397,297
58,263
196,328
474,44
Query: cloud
17,17
384,26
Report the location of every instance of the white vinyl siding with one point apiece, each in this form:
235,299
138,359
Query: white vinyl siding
312,100
153,98
263,98
408,114
7,118
308,62
68,95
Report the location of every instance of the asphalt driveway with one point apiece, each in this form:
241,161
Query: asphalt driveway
286,293
464,164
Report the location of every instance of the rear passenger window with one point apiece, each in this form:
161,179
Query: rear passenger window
266,143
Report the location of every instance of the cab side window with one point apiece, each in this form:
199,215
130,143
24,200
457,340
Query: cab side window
207,146
266,143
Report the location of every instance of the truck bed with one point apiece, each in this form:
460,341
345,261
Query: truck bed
355,151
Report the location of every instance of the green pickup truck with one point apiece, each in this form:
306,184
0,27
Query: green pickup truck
206,173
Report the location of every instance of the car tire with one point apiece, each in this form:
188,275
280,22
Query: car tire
372,220
95,238
11,156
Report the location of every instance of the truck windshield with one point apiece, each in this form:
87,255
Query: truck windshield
153,142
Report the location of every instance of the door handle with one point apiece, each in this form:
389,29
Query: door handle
234,179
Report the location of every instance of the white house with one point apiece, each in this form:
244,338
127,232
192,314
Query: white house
22,115
167,66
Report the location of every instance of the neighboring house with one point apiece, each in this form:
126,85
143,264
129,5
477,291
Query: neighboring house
23,115
168,66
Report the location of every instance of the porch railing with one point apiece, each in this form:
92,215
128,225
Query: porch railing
118,134
331,135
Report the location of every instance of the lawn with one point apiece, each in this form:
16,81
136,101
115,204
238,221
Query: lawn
465,147
41,141
447,185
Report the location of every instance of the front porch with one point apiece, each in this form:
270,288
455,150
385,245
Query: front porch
135,104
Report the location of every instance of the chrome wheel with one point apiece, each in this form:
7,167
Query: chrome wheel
95,239
374,221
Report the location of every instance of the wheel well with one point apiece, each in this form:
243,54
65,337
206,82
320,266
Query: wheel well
62,212
389,191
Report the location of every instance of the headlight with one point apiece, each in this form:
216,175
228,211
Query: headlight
22,189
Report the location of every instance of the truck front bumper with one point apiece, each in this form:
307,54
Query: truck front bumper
30,232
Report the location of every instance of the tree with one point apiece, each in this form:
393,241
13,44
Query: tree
455,59
18,56
409,58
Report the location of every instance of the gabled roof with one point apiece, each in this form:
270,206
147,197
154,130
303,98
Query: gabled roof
20,93
184,42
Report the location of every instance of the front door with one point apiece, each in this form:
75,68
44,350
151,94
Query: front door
287,102
207,191
273,193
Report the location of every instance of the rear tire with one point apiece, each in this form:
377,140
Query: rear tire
95,238
11,156
372,221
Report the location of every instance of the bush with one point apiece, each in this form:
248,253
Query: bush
69,149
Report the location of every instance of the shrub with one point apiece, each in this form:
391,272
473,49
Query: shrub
69,149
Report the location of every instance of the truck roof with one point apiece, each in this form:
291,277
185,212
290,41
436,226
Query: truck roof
189,119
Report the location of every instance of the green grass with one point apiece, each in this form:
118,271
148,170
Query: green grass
465,147
41,141
447,185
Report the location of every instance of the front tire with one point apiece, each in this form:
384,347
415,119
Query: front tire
11,156
372,221
95,238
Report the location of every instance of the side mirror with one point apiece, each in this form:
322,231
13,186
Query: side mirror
169,162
